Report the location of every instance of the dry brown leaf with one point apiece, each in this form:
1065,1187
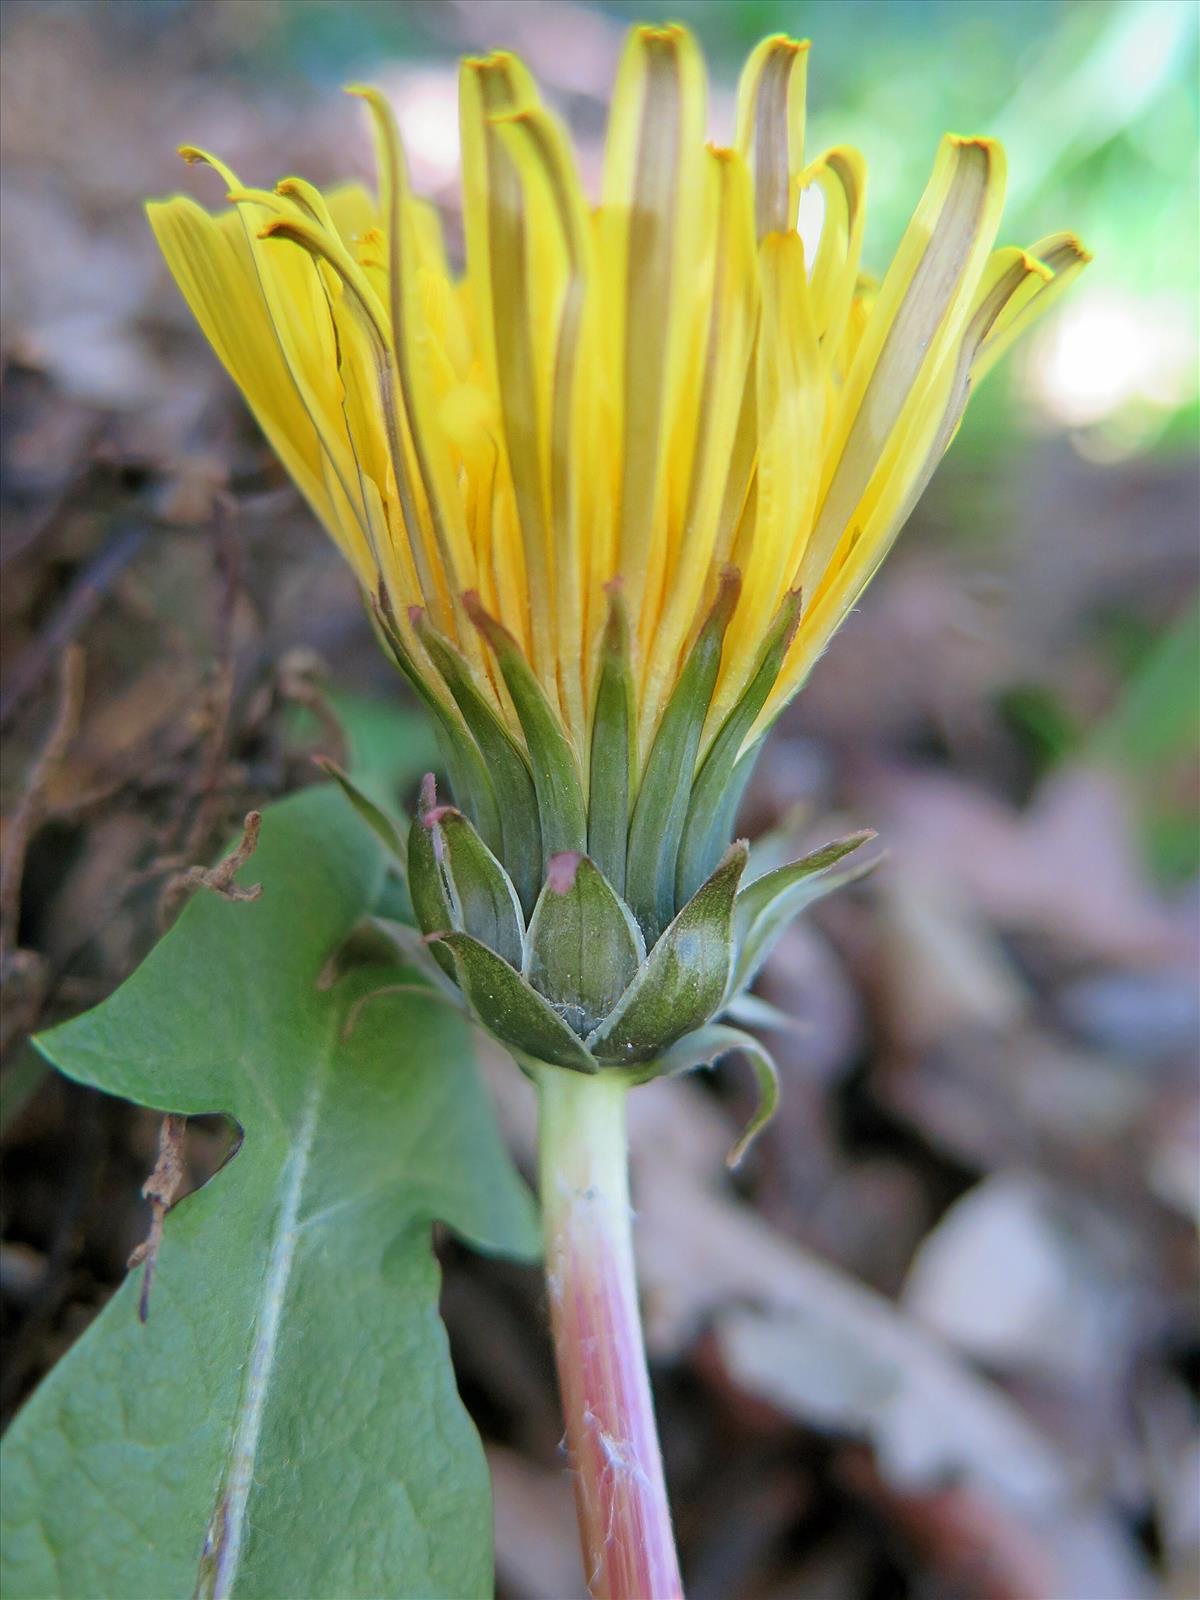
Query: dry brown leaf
1066,869
537,1552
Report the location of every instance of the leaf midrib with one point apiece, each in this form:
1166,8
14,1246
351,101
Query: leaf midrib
225,1537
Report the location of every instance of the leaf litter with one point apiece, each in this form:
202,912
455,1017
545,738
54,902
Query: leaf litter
997,1063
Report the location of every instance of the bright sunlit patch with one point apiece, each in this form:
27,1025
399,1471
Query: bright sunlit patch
427,111
809,221
1108,352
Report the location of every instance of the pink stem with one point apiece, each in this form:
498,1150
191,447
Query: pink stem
624,1519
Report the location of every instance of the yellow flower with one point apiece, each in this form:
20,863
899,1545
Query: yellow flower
626,439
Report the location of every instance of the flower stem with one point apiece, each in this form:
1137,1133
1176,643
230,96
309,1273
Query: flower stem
624,1519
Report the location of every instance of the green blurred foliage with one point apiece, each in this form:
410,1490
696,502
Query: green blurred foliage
1150,736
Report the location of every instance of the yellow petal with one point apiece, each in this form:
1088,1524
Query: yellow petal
434,494
653,179
528,271
488,86
647,391
1064,258
790,403
1012,281
920,310
770,127
842,177
550,307
709,464
353,212
211,262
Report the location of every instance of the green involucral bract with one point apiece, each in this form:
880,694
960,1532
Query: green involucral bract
621,958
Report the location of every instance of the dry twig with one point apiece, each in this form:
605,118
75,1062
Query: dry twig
219,878
70,617
217,709
161,1189
32,807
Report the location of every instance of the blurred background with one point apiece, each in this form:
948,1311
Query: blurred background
974,1218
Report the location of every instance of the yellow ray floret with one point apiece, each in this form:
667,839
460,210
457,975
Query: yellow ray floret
650,391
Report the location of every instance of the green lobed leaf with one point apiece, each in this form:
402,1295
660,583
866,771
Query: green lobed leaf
555,774
682,982
719,783
766,906
613,756
508,1007
583,946
520,846
291,1399
665,790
